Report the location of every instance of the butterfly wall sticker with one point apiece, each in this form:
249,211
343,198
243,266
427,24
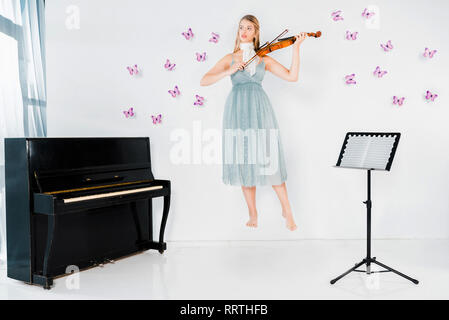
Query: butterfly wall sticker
188,35
129,113
336,15
429,53
387,47
157,119
169,66
350,79
398,101
214,37
351,36
175,92
366,14
430,96
379,73
199,100
201,57
133,70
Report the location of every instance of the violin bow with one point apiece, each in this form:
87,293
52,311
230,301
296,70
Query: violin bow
266,44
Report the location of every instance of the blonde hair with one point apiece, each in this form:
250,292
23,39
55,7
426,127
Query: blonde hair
256,24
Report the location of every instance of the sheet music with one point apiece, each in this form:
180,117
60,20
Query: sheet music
368,151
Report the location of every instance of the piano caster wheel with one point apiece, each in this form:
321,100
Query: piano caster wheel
161,251
47,287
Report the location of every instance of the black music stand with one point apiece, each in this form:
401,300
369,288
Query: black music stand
369,151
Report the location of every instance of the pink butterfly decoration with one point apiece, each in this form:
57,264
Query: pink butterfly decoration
201,57
133,70
350,79
398,101
351,36
157,119
387,47
379,73
199,100
428,53
188,35
175,92
336,15
214,38
169,66
431,96
367,14
129,113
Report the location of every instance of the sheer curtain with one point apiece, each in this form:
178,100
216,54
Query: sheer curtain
22,81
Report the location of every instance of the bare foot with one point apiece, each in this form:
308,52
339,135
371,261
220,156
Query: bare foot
291,225
252,223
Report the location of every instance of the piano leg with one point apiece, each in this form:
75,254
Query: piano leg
48,281
164,222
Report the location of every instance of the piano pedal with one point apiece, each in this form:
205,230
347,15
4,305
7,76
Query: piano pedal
97,264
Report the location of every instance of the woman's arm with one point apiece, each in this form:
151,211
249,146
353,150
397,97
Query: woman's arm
282,72
221,69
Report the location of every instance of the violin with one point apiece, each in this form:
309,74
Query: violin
280,44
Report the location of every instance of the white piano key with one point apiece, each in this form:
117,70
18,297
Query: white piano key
111,194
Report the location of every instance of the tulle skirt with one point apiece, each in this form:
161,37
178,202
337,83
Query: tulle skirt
252,150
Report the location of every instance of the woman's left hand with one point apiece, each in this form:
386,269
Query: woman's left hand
299,39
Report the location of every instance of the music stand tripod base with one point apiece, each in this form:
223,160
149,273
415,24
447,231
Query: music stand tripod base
368,270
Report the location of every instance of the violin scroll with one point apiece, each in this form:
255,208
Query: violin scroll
314,34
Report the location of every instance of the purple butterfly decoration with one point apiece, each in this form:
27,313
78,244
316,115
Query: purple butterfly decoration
350,79
214,38
387,47
431,96
428,53
351,36
169,66
367,14
175,92
336,15
379,73
188,35
200,57
398,101
129,113
133,70
199,100
157,119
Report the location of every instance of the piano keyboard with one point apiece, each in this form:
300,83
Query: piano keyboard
110,194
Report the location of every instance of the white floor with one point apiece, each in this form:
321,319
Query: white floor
256,270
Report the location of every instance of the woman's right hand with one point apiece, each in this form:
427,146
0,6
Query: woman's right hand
235,67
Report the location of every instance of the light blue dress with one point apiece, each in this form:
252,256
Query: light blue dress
251,143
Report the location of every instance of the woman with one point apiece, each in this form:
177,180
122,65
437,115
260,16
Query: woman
248,114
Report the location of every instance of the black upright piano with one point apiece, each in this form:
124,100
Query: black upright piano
78,202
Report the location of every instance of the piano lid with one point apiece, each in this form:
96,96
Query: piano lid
70,163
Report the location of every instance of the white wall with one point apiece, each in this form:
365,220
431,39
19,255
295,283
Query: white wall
88,87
